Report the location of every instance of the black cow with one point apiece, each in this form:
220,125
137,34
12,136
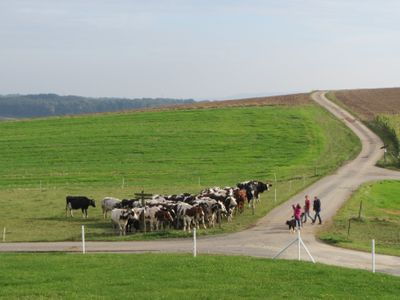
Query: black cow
129,203
78,202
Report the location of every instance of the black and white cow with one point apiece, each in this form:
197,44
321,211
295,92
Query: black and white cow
253,189
78,202
224,195
120,218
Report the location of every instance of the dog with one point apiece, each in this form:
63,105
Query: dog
292,225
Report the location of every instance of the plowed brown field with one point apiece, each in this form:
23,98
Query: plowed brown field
367,103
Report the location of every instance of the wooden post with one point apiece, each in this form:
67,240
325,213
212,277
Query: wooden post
144,210
348,229
142,197
359,211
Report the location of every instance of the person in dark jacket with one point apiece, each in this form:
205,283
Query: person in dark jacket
317,209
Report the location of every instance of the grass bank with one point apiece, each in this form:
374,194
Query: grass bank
147,276
161,152
380,220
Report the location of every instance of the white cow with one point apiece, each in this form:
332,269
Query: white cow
108,204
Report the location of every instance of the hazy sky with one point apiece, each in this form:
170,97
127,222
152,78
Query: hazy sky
197,49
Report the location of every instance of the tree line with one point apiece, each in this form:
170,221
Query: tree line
44,105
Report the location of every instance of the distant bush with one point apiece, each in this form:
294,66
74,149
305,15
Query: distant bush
43,105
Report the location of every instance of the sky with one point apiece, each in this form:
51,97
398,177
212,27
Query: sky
209,49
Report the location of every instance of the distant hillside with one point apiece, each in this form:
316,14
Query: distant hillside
44,105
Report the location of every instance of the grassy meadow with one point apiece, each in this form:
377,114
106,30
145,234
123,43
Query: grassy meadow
160,152
380,219
171,276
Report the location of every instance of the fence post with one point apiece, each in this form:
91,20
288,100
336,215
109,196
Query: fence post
348,229
4,234
83,240
194,243
298,244
275,187
373,255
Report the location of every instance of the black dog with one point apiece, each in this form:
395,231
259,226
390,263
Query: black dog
292,224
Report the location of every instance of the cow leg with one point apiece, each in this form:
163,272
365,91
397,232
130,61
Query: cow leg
204,223
184,224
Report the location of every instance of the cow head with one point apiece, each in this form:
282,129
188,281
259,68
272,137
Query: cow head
92,202
261,186
133,214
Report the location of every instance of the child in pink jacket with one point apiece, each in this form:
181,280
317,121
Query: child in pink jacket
297,214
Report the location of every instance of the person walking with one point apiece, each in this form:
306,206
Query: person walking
317,209
307,206
297,215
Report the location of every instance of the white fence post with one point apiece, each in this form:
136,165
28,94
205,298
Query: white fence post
194,243
83,240
373,256
275,187
298,244
4,234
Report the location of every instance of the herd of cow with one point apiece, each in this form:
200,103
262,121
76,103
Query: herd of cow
178,211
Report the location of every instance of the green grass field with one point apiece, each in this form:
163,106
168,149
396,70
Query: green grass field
380,219
159,152
147,276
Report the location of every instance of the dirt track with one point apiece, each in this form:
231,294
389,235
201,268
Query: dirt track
270,234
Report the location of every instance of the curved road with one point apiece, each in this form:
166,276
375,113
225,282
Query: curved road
270,235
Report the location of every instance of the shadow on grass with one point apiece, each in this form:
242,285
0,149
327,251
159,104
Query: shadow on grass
334,240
